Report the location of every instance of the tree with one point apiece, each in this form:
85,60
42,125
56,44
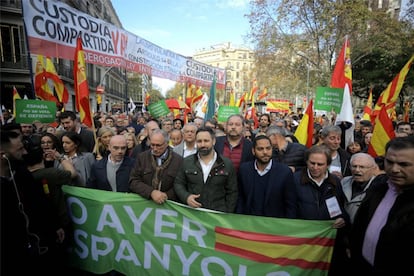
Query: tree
156,95
177,91
295,39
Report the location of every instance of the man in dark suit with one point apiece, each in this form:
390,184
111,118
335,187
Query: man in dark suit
266,187
112,172
70,123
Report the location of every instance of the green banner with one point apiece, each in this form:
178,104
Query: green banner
158,109
328,98
225,112
135,236
28,111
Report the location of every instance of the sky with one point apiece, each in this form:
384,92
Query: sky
185,26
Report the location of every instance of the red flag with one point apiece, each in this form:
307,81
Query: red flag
81,85
304,131
60,88
382,132
389,96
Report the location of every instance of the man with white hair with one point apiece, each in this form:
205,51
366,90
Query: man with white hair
364,170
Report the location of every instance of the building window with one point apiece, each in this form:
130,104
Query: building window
10,44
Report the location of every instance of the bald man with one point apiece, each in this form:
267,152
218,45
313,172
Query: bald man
116,167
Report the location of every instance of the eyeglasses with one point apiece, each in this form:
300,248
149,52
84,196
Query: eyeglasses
248,136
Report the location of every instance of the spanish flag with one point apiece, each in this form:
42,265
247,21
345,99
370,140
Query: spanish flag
81,85
307,253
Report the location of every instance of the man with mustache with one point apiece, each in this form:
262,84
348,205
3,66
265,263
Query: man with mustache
207,179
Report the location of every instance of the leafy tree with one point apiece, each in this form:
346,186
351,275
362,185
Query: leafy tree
297,43
156,95
177,91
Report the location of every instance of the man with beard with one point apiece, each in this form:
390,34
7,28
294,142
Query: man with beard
207,179
266,187
70,122
234,146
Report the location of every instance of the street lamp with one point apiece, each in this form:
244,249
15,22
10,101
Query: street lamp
303,55
100,89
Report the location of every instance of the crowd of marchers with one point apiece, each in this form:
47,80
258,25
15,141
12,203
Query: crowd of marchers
230,166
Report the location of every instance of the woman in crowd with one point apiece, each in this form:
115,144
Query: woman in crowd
52,149
132,143
82,161
354,147
101,147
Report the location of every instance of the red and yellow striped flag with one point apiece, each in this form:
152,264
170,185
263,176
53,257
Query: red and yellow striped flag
389,96
382,132
81,85
278,105
282,250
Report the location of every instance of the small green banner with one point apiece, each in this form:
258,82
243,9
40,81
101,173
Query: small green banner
328,98
158,109
28,111
225,112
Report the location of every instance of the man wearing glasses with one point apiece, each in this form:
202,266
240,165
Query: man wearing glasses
155,169
364,170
